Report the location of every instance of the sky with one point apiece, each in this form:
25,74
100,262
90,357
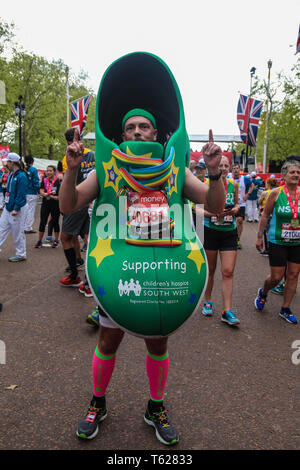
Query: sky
210,46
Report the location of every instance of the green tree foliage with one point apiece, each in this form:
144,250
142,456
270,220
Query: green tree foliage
283,132
42,85
6,34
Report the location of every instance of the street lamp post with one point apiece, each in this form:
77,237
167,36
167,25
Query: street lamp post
68,95
21,112
252,73
267,118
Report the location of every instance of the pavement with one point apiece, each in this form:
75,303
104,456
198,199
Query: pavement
228,388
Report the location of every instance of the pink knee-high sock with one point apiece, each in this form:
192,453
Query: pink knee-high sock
103,367
157,370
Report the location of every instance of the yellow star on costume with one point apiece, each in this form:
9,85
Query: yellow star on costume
196,255
112,176
102,250
146,155
173,180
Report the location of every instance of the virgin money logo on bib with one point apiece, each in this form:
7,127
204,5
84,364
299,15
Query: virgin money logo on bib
148,215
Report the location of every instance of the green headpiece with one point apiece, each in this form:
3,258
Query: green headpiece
139,112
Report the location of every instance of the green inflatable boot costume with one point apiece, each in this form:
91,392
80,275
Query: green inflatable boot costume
145,264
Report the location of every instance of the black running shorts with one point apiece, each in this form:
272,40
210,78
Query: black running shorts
241,212
77,223
280,255
218,240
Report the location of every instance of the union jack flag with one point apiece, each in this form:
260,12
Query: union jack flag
79,111
298,42
248,110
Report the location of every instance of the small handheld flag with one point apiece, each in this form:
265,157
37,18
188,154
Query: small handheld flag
79,111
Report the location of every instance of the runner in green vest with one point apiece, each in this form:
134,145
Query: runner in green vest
284,239
220,236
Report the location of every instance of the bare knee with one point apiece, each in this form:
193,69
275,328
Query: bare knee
292,276
276,278
109,340
227,273
66,239
157,346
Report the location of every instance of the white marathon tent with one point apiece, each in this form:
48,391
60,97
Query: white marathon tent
192,138
217,138
41,163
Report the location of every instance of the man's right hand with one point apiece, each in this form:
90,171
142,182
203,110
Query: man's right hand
74,153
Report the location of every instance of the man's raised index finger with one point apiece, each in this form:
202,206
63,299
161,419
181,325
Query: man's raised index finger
76,135
210,135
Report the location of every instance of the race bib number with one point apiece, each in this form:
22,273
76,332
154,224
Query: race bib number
290,233
226,220
148,216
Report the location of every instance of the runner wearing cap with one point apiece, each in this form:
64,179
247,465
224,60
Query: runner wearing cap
200,169
13,215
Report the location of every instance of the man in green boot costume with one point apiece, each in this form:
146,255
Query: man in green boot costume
130,264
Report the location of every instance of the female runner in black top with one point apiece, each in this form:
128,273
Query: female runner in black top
49,190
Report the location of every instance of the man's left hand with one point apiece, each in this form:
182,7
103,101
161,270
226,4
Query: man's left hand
212,154
74,152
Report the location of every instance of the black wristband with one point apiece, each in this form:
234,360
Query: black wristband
215,177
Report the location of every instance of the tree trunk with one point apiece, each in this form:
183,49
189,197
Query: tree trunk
50,152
